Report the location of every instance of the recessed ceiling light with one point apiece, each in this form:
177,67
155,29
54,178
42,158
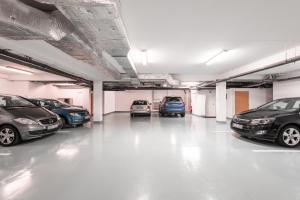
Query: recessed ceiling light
12,69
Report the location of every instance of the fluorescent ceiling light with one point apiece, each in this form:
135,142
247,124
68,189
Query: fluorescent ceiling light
12,69
137,56
216,57
190,83
144,57
64,84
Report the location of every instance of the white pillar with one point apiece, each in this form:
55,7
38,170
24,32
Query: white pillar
221,102
98,101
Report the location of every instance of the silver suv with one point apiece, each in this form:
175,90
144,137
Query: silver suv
22,120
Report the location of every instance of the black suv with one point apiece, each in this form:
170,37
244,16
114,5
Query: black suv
277,121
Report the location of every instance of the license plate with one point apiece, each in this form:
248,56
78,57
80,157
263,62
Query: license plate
52,126
237,126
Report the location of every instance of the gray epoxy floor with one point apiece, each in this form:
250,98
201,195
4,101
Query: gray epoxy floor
149,159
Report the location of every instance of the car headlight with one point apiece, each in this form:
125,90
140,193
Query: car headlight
58,117
25,121
75,114
262,121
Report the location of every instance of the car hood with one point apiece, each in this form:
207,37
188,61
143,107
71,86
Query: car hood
261,113
73,109
29,112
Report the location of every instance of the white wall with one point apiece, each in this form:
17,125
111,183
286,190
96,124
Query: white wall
204,102
109,102
221,102
286,89
81,97
257,97
14,87
124,99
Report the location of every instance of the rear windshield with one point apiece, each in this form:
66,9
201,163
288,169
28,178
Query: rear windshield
14,101
140,103
174,99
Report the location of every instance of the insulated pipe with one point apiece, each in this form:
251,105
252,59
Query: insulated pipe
31,20
278,64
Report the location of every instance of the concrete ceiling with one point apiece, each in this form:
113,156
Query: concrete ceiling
177,34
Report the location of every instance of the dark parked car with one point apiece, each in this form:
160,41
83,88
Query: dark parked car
277,121
140,107
172,105
22,120
70,115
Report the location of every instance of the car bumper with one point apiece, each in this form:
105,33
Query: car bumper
79,120
140,112
260,132
28,132
174,111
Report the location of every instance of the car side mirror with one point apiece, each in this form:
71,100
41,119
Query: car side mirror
48,107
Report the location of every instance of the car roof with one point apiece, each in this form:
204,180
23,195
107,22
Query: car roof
42,99
290,98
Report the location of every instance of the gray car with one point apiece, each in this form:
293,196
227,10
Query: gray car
22,120
140,107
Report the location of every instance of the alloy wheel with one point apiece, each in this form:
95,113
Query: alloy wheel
291,136
7,136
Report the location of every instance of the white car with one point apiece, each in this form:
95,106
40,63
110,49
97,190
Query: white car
140,107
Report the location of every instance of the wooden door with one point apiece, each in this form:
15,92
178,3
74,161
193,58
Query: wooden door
241,101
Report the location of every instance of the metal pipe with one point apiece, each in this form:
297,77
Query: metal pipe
278,64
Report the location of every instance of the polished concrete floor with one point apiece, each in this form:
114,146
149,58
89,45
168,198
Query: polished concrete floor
188,158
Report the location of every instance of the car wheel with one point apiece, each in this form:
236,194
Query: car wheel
9,136
289,136
132,115
63,121
182,115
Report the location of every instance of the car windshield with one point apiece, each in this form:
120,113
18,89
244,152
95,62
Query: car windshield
174,99
14,101
282,104
140,102
60,104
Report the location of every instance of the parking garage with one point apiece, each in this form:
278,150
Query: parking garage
149,100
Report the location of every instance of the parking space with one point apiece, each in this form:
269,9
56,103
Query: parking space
142,158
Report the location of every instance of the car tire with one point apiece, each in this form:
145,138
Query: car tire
182,115
289,136
132,115
9,135
64,122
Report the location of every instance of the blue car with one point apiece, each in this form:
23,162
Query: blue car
172,105
70,115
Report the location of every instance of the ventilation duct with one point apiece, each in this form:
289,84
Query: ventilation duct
21,22
167,77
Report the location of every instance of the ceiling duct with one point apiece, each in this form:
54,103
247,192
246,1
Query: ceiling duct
78,28
167,77
21,22
100,23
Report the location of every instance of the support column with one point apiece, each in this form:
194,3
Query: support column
98,101
221,111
